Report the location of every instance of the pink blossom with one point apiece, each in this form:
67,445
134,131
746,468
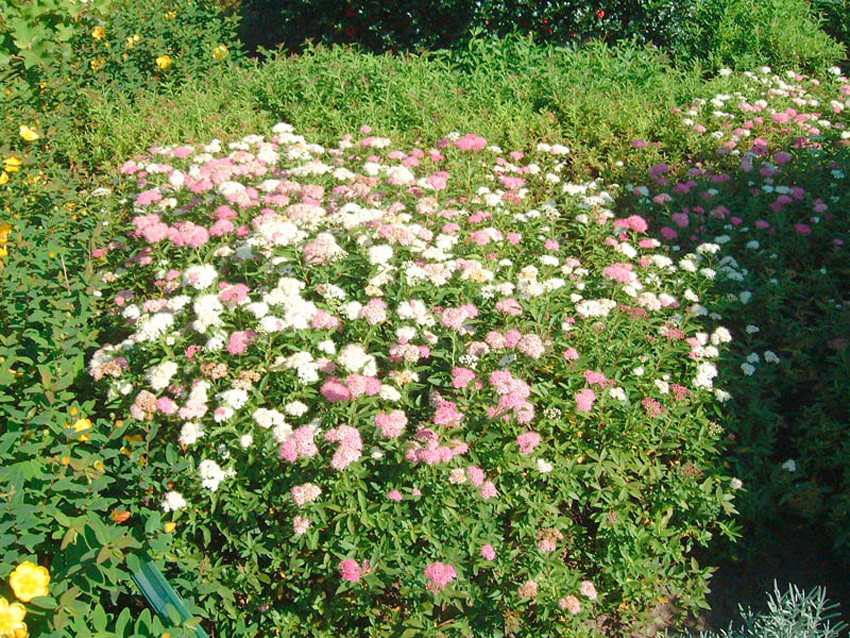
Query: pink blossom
236,293
239,341
588,590
509,306
527,442
392,424
803,229
447,414
439,575
333,390
462,377
531,345
470,142
350,570
476,475
148,197
300,444
350,446
395,495
619,272
528,589
488,490
301,524
570,604
571,354
166,405
585,399
488,552
595,378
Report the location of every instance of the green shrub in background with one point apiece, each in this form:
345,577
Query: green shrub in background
716,33
411,25
748,33
836,18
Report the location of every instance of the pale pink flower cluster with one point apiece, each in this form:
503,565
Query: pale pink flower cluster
306,493
350,446
391,424
439,575
300,445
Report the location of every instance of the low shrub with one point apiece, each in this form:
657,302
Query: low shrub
385,389
772,196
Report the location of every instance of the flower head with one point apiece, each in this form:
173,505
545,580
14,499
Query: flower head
164,61
29,133
12,623
29,581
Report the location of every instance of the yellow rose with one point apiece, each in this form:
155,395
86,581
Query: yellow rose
221,52
29,581
80,426
29,134
98,33
13,164
164,61
12,623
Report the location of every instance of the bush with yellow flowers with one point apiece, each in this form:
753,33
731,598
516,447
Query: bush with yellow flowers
62,463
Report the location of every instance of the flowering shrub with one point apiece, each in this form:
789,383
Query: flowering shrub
435,386
769,203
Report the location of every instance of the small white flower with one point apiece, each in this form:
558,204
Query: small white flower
544,467
770,357
173,501
748,369
790,465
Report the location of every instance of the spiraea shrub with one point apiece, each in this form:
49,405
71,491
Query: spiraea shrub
438,387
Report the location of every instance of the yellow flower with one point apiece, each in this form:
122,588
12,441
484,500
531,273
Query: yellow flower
164,61
3,178
29,581
98,33
133,40
170,526
170,15
12,623
5,231
221,52
80,426
13,164
98,64
29,134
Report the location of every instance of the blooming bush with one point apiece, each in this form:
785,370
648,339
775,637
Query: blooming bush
769,204
442,386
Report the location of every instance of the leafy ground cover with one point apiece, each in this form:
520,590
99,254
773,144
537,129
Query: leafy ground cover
89,482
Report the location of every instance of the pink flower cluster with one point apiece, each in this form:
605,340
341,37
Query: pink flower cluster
300,445
513,397
391,424
439,575
350,446
354,386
